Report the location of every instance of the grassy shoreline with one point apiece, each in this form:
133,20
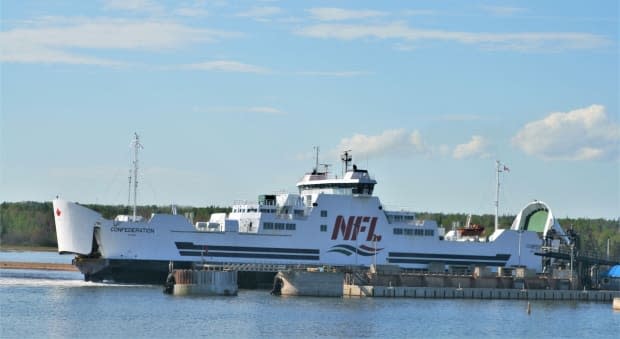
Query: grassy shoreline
24,248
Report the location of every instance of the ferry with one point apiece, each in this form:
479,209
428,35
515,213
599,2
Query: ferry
330,221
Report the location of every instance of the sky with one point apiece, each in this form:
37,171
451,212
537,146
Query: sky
230,97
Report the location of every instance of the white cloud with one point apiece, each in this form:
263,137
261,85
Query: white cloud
415,140
192,11
459,117
530,41
226,66
502,10
390,141
581,134
58,43
133,5
475,148
338,14
418,12
266,110
261,13
337,74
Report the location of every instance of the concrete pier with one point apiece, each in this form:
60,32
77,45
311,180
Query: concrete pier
310,283
202,282
389,281
476,293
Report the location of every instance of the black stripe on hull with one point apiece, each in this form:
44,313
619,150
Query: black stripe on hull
189,249
448,259
212,254
191,246
447,262
499,257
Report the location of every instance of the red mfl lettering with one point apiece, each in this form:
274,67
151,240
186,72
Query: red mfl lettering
353,226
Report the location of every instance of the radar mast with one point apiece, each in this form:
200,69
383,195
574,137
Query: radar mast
136,145
346,158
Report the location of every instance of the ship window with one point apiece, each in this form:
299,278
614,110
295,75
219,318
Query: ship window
323,228
268,225
398,231
323,213
419,232
362,189
279,226
290,227
429,233
408,231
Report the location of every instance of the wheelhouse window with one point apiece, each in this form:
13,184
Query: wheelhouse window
363,189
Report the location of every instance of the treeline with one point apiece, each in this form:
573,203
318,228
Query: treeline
32,223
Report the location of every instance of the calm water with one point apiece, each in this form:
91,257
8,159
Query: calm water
42,304
50,257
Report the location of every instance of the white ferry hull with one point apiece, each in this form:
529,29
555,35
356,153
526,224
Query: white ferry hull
354,231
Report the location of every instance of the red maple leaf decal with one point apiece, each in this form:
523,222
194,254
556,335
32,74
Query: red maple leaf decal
58,212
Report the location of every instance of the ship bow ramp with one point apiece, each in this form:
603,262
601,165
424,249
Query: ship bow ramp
537,217
75,226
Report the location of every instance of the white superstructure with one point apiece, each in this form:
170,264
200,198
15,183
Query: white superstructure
329,221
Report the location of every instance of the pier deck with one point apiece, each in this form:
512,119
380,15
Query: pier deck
37,266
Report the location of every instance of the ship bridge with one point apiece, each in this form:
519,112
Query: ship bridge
355,181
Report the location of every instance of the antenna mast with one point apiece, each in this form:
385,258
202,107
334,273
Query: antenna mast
136,146
316,166
346,158
129,187
499,167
